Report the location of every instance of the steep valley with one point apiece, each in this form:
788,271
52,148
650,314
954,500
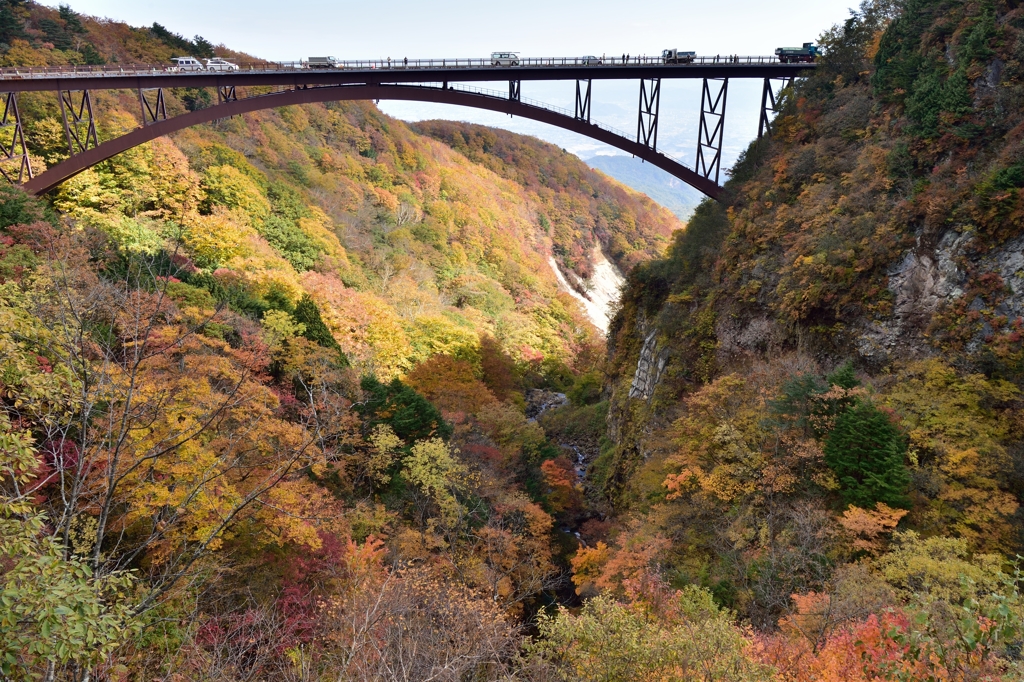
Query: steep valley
313,393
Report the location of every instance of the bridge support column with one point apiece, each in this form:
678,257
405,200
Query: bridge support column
769,104
155,112
514,90
583,101
711,129
80,115
226,93
647,118
13,150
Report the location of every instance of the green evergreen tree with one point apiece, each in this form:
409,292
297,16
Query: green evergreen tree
409,414
195,99
843,376
72,22
795,405
11,26
308,314
91,55
171,39
867,452
56,34
202,47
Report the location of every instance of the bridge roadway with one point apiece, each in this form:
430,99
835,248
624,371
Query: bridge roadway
380,72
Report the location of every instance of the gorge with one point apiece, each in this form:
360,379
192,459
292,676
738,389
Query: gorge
314,393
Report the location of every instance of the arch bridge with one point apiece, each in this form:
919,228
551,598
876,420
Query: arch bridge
445,81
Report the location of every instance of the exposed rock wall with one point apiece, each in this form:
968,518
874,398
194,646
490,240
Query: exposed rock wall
649,367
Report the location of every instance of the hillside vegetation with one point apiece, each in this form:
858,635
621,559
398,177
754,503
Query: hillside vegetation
281,395
270,375
816,396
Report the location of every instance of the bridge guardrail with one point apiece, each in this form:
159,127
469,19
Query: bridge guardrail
73,70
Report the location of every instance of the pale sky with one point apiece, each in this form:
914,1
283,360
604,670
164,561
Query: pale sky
464,28
288,31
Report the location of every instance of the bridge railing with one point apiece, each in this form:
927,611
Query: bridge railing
403,64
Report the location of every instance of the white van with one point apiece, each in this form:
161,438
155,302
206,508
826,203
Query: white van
186,64
504,59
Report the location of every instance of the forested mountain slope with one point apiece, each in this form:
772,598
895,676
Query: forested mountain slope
580,207
281,397
271,374
816,397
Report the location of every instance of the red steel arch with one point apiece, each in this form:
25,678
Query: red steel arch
52,177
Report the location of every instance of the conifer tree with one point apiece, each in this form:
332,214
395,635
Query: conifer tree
72,22
11,26
409,414
866,451
308,314
844,376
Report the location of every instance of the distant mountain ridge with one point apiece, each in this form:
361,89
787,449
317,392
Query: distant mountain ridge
670,192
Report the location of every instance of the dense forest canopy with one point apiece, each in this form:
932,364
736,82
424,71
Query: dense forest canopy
295,395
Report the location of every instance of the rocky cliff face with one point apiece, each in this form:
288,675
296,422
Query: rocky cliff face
881,223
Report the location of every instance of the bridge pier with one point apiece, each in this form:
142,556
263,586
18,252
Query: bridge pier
81,114
711,129
769,104
647,118
155,112
583,101
226,93
15,150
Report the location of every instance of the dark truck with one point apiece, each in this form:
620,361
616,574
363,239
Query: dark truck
790,55
674,56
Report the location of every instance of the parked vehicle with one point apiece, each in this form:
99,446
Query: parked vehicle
591,60
322,63
182,64
218,64
674,56
790,55
504,59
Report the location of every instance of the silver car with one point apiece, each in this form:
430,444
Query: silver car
218,64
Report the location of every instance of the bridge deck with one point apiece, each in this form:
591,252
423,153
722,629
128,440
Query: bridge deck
112,77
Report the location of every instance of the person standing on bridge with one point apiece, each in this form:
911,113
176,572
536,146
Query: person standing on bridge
405,61
623,57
